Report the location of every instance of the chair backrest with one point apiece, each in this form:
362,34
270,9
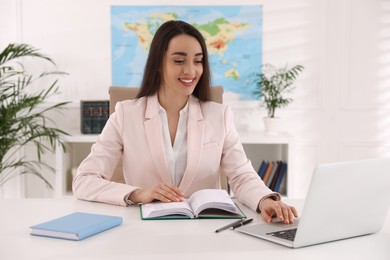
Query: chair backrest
125,93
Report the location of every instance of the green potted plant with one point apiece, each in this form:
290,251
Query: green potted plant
272,85
23,113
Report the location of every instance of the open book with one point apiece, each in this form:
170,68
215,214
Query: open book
207,203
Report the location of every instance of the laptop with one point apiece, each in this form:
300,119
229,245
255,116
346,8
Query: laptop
345,200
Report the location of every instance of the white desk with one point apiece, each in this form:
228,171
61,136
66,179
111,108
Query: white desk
169,239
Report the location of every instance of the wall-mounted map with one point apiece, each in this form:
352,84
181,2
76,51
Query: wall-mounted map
233,35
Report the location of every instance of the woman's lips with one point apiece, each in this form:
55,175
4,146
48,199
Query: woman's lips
187,82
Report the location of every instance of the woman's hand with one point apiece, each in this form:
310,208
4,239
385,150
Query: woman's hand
270,208
161,191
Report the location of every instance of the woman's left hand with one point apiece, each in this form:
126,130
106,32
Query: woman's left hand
270,208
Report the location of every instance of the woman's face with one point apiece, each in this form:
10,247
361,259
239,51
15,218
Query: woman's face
182,65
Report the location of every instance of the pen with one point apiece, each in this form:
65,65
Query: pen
235,223
243,223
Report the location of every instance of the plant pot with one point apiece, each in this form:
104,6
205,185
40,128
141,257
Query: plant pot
273,125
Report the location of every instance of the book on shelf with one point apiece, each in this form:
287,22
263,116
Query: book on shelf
262,168
275,169
76,226
273,174
207,203
275,177
280,177
94,115
268,171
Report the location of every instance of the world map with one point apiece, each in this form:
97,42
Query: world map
233,35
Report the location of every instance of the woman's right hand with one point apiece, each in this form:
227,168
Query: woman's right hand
161,192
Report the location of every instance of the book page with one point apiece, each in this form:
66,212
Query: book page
212,198
159,209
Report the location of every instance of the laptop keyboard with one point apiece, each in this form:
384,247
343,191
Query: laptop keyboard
288,234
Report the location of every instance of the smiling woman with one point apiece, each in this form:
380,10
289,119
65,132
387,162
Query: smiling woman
183,67
173,139
167,44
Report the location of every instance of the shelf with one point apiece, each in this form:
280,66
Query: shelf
263,138
245,137
81,138
258,146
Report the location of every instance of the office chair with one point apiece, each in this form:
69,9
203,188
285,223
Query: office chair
123,93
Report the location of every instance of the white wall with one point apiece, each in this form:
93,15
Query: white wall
340,108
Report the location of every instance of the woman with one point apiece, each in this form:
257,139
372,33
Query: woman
172,139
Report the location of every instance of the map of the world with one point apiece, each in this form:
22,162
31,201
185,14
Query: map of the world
232,34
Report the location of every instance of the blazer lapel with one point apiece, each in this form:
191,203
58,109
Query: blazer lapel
153,130
195,134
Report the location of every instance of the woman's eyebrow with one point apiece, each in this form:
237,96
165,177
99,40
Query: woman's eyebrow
185,54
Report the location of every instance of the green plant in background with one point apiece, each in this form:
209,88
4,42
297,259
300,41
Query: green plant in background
273,83
23,113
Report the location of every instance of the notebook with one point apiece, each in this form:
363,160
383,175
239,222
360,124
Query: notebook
334,206
76,226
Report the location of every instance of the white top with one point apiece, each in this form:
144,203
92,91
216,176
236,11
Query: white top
176,155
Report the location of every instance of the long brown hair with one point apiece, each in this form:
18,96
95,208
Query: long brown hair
152,77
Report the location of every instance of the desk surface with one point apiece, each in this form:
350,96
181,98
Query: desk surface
161,239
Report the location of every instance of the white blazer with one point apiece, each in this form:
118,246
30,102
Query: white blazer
134,132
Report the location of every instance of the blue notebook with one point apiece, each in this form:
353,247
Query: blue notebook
76,226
